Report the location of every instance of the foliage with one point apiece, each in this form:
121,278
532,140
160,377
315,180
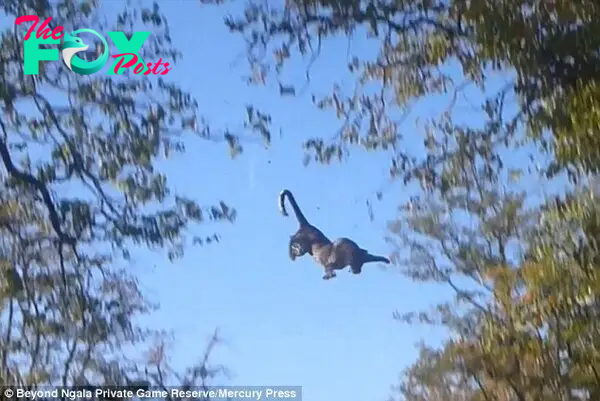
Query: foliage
81,187
431,47
466,230
522,321
536,335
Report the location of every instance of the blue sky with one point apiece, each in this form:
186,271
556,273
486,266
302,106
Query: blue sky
283,324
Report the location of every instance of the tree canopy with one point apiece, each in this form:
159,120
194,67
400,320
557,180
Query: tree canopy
549,50
81,188
521,323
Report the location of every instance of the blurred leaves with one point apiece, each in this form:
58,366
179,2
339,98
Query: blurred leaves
521,268
549,50
81,188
